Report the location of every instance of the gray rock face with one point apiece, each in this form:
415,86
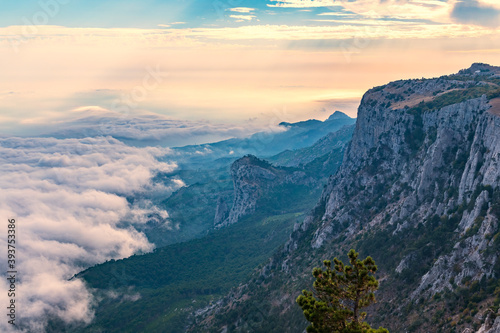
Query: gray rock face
246,178
221,211
251,176
405,263
481,170
455,163
491,324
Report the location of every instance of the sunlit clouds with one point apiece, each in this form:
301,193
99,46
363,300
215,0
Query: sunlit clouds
224,74
69,200
242,9
301,3
243,63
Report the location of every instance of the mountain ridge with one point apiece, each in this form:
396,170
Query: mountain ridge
252,176
263,144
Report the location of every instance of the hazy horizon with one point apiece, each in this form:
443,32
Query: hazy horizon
241,63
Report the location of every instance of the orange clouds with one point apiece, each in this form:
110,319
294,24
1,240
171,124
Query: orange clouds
225,74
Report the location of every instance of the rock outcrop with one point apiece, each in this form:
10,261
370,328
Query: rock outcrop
252,177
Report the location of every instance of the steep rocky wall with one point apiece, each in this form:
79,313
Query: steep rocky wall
465,129
251,176
453,172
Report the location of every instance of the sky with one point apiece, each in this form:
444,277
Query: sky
236,62
74,74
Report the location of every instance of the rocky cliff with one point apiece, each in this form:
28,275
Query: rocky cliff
419,191
309,167
252,177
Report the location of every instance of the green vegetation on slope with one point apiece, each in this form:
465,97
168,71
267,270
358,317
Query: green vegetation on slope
340,295
181,276
157,292
455,97
192,209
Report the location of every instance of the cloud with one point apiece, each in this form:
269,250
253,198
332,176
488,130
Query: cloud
421,12
477,13
365,29
242,10
242,18
139,128
90,108
430,10
302,3
337,14
69,201
170,24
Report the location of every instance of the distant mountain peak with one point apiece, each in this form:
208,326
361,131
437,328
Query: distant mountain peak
338,115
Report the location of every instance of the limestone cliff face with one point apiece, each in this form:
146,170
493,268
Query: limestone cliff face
480,178
491,324
251,177
457,164
221,211
459,133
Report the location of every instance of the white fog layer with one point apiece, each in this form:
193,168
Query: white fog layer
68,198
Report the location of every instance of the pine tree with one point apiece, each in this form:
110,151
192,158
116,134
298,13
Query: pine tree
340,294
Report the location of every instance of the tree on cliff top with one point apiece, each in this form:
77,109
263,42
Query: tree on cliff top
340,294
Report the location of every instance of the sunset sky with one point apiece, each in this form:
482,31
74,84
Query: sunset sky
249,63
